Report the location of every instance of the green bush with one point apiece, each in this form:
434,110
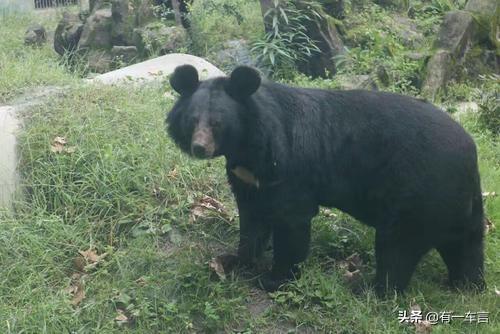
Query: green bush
214,22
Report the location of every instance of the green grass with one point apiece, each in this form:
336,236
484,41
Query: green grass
22,68
118,194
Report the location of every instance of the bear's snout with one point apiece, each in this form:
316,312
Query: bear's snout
202,143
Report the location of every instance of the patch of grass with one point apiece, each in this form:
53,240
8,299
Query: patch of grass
214,22
23,67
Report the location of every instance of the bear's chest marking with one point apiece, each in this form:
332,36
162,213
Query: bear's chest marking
246,176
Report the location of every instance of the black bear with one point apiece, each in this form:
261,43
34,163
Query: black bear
396,163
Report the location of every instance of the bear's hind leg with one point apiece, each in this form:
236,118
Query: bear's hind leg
397,256
464,260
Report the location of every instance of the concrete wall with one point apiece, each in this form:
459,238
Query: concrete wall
16,5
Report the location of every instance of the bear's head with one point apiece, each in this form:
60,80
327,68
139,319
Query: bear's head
208,119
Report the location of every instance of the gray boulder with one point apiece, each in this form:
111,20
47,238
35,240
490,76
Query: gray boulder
456,33
158,39
35,35
234,52
68,33
96,33
483,7
437,73
407,31
99,61
124,55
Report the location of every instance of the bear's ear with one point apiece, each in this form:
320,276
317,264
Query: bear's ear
243,82
185,79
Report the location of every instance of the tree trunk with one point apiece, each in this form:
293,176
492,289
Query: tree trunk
177,12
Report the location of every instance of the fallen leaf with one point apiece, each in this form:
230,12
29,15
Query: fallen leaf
173,173
217,267
60,141
91,259
423,327
59,146
355,262
207,208
121,318
488,225
78,292
328,213
352,276
246,176
90,255
489,194
141,281
497,292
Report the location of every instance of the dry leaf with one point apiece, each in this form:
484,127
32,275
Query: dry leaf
328,213
78,292
352,276
488,225
59,146
354,261
173,173
91,258
121,318
60,141
216,266
207,207
497,292
141,281
246,176
423,327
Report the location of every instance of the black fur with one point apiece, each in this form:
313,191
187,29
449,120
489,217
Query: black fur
393,162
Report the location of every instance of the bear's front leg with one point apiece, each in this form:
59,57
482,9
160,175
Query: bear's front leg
255,231
291,239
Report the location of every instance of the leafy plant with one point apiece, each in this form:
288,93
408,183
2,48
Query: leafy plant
287,42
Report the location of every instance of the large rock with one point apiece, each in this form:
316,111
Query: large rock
99,61
487,12
156,38
483,7
124,55
158,69
123,23
437,73
407,31
96,33
68,33
235,52
456,33
35,35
